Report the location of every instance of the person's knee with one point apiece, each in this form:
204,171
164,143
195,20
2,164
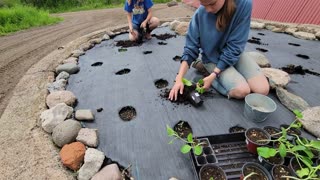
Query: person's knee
155,22
240,92
261,89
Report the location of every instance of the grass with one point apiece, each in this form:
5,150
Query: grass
21,17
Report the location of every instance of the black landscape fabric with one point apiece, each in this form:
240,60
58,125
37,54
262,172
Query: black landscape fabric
143,141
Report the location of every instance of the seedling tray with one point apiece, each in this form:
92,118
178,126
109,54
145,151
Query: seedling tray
230,153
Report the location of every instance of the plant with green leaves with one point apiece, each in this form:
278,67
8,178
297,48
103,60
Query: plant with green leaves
199,87
249,175
308,147
190,143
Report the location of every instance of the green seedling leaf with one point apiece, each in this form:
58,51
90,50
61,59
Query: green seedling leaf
302,172
170,142
211,178
309,153
201,82
266,152
298,148
282,150
190,138
197,150
308,162
298,114
185,149
170,131
200,90
186,82
315,144
284,132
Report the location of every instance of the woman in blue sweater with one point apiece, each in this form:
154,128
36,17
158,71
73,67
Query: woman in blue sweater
139,15
220,28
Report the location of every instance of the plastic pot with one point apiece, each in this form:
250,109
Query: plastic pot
257,169
253,144
282,169
211,170
271,130
293,166
290,135
269,165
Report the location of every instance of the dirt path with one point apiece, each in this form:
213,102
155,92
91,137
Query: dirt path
19,51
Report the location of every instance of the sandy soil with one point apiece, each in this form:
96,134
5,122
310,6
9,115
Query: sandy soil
26,152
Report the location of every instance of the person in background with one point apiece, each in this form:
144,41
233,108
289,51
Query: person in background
220,28
139,15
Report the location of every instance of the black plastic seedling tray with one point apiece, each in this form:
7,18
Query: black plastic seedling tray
229,151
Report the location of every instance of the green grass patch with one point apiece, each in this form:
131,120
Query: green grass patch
20,17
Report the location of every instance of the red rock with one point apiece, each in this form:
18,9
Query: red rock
72,155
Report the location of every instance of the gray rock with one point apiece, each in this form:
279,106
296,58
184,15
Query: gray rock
174,24
260,59
165,24
66,132
86,46
277,78
52,117
172,3
173,178
93,160
318,35
291,101
96,41
256,25
77,53
270,27
59,85
278,30
291,30
110,33
106,37
182,28
311,120
63,75
304,35
110,172
84,115
73,60
88,137
57,97
70,68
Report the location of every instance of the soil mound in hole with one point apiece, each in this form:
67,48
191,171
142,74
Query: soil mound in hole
302,56
294,44
161,83
262,50
255,40
261,34
127,113
127,43
162,43
292,69
163,37
237,129
180,100
182,128
147,52
123,71
177,58
97,64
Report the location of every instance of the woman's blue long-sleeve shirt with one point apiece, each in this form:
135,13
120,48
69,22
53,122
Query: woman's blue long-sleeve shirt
222,48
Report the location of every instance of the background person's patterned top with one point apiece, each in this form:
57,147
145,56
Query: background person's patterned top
139,10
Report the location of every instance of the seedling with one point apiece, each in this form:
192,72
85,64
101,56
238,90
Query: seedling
306,171
189,142
199,87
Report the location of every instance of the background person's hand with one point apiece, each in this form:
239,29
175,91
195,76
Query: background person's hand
177,88
207,81
143,24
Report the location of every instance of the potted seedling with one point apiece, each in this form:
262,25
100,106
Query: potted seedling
279,171
212,172
254,171
274,132
268,163
192,91
256,137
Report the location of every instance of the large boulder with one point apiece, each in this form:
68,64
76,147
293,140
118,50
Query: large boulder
182,28
72,155
66,132
291,101
93,160
304,35
311,120
260,59
110,172
276,77
57,97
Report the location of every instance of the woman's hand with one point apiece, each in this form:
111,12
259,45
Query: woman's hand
208,81
143,24
177,88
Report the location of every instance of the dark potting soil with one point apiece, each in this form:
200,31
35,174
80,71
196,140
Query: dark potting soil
163,37
255,40
127,43
99,109
162,43
274,160
181,99
147,52
210,172
292,69
177,58
258,176
123,71
97,64
161,83
294,44
302,56
262,50
255,136
261,34
273,132
280,171
236,129
182,128
127,113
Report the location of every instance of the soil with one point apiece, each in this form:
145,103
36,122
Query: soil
127,113
177,58
279,171
262,50
294,44
99,109
97,64
162,43
161,83
274,160
273,130
291,130
123,71
302,56
255,135
214,172
237,129
182,98
259,176
255,40
261,34
182,128
147,52
127,43
164,37
292,69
